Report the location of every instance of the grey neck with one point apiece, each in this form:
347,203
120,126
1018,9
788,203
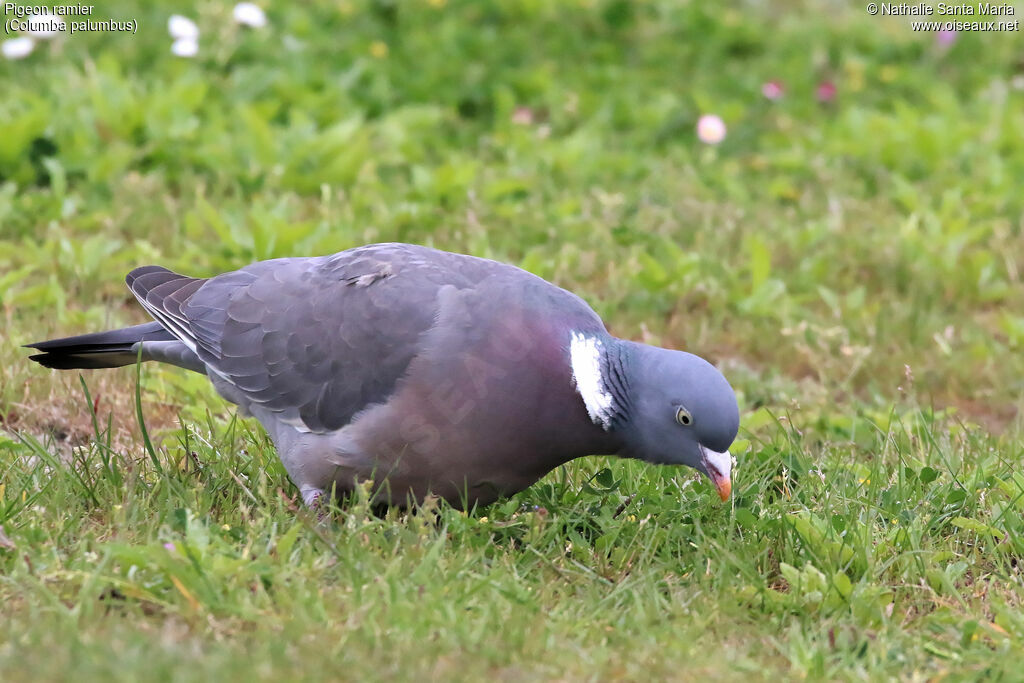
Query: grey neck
615,365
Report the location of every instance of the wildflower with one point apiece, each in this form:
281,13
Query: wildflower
826,91
772,90
185,47
185,34
182,27
17,48
853,78
169,547
379,49
945,39
522,116
250,14
710,129
45,25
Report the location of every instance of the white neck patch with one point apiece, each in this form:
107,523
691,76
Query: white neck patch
585,356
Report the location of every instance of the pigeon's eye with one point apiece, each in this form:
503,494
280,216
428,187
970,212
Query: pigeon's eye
683,416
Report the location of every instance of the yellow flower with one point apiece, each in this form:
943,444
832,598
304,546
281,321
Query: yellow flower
856,81
854,76
379,49
437,4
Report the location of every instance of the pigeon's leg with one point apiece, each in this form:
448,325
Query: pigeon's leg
311,496
316,501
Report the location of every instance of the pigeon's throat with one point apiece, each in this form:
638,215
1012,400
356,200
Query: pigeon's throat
599,376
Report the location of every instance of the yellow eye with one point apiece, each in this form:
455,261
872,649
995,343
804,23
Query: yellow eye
683,416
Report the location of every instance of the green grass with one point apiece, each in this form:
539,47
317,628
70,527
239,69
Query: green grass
853,266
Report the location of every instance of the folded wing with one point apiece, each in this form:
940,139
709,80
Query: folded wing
314,340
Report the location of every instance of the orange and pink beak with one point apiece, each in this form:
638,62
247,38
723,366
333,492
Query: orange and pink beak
718,467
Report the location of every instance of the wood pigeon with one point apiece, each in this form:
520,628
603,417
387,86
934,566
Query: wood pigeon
422,371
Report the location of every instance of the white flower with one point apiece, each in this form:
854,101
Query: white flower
710,129
182,28
250,14
45,25
17,48
185,47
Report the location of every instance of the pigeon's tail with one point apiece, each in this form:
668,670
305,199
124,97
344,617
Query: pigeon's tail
98,350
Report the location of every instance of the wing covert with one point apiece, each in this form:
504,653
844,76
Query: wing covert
314,340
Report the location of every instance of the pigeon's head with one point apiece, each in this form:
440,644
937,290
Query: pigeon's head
681,411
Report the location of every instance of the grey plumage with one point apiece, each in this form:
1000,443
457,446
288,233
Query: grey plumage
422,370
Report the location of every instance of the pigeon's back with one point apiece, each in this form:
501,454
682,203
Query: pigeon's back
313,341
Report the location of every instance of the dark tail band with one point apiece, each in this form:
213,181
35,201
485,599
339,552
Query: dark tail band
110,349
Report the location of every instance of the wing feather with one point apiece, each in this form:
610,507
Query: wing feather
312,340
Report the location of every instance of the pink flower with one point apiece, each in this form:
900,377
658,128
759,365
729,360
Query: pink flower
169,547
826,91
945,39
710,129
772,90
522,116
